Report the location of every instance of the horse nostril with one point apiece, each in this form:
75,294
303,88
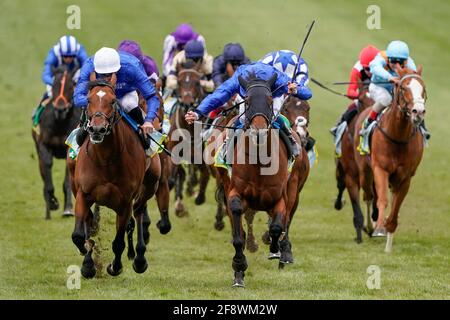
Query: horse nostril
414,111
102,130
90,129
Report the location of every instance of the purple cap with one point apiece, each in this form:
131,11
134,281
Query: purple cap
150,66
131,47
184,33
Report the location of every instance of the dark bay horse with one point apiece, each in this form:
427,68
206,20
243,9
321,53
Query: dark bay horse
189,93
111,170
57,120
254,185
396,150
347,173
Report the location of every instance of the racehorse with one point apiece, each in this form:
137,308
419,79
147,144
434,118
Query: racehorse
347,174
57,120
190,94
111,170
250,188
396,150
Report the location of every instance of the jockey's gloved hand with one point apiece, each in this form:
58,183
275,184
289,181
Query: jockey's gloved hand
191,116
147,127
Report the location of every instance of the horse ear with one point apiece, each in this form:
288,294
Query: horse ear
54,69
400,71
420,69
272,80
113,79
243,82
92,76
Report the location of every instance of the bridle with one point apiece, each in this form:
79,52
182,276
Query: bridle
247,104
61,93
188,85
401,96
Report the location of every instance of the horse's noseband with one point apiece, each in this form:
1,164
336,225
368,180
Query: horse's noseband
111,120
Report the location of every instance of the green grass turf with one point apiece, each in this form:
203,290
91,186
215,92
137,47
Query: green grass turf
194,261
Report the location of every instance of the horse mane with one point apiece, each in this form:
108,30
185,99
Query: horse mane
99,83
189,64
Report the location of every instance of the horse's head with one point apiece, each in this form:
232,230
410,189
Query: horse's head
259,106
62,91
297,112
411,94
189,89
102,108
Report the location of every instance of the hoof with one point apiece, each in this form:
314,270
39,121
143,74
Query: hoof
200,199
48,217
266,238
88,272
67,213
140,266
219,225
53,204
379,233
358,240
180,210
113,272
339,204
131,254
252,246
164,227
273,256
238,280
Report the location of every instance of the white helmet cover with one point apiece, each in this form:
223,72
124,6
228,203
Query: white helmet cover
106,60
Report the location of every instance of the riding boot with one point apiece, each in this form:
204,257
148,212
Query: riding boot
310,142
136,115
82,133
288,133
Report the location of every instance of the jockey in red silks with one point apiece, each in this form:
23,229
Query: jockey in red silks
360,73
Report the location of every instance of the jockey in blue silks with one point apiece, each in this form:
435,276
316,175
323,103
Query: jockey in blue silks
131,76
66,52
230,87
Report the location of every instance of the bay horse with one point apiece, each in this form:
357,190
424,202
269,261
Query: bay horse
111,170
189,93
396,150
250,188
347,173
57,120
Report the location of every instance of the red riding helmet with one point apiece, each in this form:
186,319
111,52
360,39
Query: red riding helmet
367,55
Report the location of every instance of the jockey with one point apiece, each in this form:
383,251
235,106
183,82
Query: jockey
175,42
131,77
150,67
230,87
195,51
225,64
360,73
383,70
284,61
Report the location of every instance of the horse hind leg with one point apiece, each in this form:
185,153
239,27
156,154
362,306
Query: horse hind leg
131,254
358,217
180,209
339,202
45,166
162,198
68,208
204,178
140,264
251,243
220,200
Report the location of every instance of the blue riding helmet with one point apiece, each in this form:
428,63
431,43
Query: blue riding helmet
194,49
397,49
68,46
233,52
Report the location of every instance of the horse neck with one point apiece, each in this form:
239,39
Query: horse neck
396,123
112,146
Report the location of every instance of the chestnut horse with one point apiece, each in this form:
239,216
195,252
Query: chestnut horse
253,188
347,174
396,150
111,170
57,120
190,93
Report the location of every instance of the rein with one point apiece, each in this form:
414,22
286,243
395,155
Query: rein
61,91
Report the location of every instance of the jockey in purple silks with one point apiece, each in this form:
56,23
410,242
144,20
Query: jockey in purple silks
175,43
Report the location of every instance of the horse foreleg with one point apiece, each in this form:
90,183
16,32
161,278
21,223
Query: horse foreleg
180,210
192,180
358,217
277,228
140,262
162,198
398,195
118,244
45,166
81,234
251,243
239,260
220,201
381,179
204,178
339,203
67,195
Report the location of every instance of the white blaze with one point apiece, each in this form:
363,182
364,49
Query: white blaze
417,91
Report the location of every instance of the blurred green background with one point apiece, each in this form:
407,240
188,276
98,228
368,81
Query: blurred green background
194,261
